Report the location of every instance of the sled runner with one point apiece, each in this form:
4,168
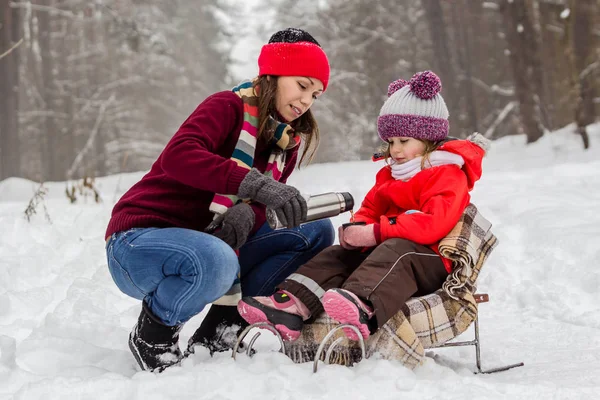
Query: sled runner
479,298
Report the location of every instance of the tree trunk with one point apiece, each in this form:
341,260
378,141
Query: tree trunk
50,134
534,53
521,40
99,169
464,50
443,61
10,36
67,73
583,40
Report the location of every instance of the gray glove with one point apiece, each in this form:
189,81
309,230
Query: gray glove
235,225
285,200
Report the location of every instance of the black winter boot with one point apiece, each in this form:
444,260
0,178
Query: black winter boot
219,330
153,344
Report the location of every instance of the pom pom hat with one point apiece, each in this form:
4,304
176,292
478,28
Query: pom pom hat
294,52
414,109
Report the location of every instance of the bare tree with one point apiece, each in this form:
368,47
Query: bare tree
446,55
50,138
105,81
10,40
462,22
499,75
99,87
369,45
523,49
584,62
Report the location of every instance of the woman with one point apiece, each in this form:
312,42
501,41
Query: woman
179,238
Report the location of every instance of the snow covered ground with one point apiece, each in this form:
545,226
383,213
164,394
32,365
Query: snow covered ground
64,325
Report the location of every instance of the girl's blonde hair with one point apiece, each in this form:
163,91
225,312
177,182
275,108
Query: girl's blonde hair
430,147
306,126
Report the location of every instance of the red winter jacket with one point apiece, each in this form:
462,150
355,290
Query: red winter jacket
195,164
440,193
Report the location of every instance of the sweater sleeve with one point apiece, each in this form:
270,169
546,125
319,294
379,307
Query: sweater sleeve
443,199
191,156
260,216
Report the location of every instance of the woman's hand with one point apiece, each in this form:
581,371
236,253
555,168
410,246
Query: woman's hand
285,200
234,225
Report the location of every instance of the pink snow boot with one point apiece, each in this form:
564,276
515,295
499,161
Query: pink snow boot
282,310
346,308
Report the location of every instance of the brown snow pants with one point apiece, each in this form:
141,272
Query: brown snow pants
386,276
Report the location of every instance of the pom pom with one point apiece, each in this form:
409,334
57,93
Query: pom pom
480,141
425,85
396,85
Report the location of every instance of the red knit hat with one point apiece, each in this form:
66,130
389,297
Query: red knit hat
293,52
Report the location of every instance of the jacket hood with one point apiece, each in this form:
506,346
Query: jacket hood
472,150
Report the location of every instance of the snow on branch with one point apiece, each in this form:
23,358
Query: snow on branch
377,34
588,70
14,46
501,117
493,89
490,5
344,75
50,9
90,142
115,85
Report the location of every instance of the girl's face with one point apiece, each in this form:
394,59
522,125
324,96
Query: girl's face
295,95
404,149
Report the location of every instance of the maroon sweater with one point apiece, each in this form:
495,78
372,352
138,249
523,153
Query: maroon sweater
194,166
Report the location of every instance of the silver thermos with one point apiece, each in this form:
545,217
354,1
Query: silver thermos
319,206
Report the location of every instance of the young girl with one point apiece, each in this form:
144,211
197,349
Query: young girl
174,238
390,253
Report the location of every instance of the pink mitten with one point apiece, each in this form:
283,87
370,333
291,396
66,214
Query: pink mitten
342,241
360,235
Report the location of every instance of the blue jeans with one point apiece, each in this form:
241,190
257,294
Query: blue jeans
177,272
268,257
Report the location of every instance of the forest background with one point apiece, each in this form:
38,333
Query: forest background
95,88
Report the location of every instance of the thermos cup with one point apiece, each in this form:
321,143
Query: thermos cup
324,205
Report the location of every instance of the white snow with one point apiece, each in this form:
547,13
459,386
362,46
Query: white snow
64,324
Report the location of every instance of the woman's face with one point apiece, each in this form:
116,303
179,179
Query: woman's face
295,95
404,149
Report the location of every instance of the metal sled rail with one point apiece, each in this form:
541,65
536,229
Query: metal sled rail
330,334
479,298
263,325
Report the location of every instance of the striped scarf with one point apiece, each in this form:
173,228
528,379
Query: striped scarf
243,154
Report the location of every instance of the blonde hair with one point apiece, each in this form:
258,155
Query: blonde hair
430,147
306,126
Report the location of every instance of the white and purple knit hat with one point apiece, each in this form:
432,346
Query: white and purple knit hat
414,109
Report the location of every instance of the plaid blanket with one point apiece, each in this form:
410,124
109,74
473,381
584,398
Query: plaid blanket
424,322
